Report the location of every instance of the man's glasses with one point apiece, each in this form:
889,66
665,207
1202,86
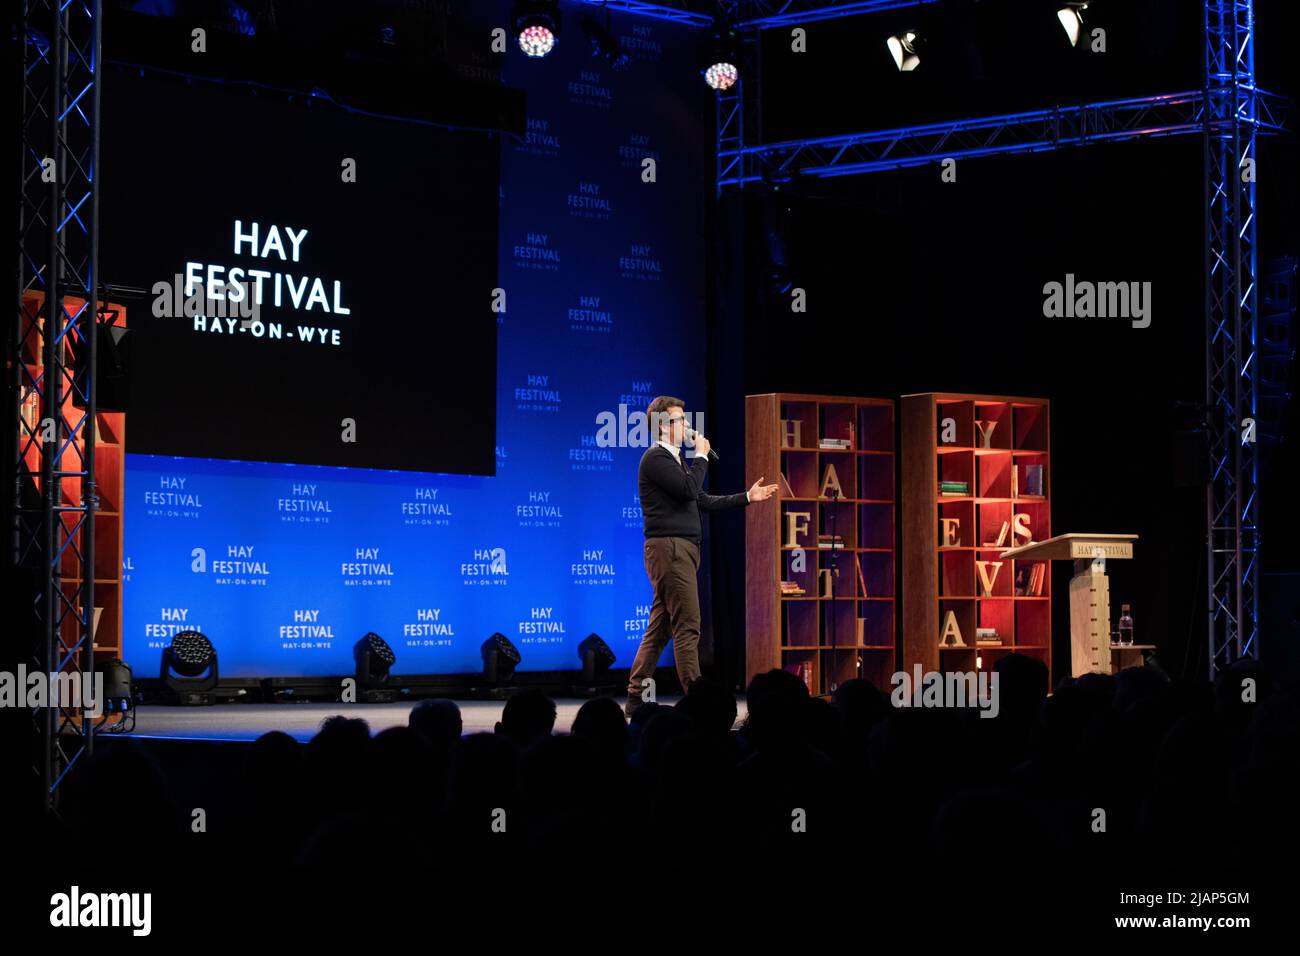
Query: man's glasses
674,421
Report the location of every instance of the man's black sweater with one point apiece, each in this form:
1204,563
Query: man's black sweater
672,496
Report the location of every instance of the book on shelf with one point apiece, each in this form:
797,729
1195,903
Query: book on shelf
1023,575
834,541
1032,485
951,488
836,444
1029,580
802,670
786,490
1002,536
987,635
862,583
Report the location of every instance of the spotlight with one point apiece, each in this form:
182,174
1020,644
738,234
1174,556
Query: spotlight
604,44
1071,17
721,76
596,656
189,656
500,658
537,25
373,658
117,685
721,56
119,696
903,48
113,390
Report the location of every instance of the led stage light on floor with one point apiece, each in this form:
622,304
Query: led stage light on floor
189,670
374,660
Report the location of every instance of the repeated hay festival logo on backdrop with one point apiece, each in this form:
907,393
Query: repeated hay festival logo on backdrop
227,299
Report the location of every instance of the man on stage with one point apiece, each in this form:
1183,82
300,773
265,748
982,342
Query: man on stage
672,496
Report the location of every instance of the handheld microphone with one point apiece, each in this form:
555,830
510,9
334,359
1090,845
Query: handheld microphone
713,455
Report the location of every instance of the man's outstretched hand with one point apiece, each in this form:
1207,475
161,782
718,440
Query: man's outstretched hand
760,491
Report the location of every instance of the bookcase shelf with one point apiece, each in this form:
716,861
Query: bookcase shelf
110,449
997,447
826,639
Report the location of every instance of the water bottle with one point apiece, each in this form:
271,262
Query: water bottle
1125,625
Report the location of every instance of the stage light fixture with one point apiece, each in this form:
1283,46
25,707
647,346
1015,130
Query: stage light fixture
597,657
500,658
113,361
604,44
537,26
1071,17
117,684
189,669
721,76
374,659
904,47
721,55
119,696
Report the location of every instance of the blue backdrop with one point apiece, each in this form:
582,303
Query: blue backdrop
285,566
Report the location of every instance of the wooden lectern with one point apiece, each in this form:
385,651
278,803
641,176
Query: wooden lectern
1090,648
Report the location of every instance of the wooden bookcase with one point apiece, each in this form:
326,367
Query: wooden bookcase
953,437
812,635
110,465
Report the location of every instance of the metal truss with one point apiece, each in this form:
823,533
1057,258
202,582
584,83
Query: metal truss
765,14
58,258
737,110
1233,108
697,14
754,14
1166,114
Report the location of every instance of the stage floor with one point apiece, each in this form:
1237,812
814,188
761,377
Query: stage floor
301,721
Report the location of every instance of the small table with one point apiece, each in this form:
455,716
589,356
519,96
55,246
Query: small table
1127,655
